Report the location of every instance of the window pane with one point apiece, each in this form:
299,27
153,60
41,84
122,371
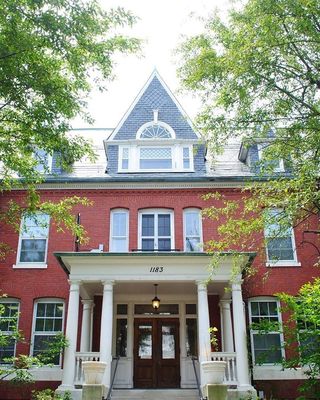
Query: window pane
267,348
147,225
165,309
119,224
191,309
191,336
155,158
7,349
164,225
33,250
280,249
168,342
122,309
121,342
119,245
41,344
192,224
145,341
164,244
192,244
147,244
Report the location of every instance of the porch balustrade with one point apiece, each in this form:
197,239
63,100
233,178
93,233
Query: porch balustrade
231,369
80,357
230,374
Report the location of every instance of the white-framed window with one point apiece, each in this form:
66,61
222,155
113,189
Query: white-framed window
280,243
44,161
192,231
9,316
33,240
156,230
48,321
119,230
266,347
277,164
160,157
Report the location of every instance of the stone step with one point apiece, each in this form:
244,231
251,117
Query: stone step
155,394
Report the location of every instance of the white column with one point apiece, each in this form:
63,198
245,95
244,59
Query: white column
203,323
240,338
226,321
106,330
71,335
86,325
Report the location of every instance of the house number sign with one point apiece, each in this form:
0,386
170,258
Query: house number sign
156,269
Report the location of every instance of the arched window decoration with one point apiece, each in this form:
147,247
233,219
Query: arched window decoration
155,130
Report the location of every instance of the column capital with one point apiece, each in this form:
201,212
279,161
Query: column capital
107,285
87,302
74,285
202,286
236,286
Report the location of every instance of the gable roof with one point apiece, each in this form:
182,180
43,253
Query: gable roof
154,94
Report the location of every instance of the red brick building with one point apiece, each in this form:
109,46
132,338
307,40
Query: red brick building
145,229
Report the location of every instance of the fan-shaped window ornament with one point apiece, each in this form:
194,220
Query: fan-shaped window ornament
155,131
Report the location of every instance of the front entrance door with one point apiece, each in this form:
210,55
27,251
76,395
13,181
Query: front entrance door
156,353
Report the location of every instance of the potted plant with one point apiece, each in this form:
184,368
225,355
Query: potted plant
93,372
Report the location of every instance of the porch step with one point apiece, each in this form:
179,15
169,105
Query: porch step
155,394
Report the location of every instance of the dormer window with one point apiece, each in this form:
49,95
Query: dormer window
274,164
156,149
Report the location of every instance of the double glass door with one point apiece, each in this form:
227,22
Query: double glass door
156,353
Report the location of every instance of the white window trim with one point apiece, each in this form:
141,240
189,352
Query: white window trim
185,212
283,263
112,212
150,123
156,211
252,332
48,333
177,157
21,264
48,168
11,300
261,147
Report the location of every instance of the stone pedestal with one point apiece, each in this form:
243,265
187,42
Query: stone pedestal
217,392
92,392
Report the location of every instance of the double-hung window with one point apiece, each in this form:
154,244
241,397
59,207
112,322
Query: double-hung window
9,314
192,230
33,241
48,322
156,230
280,244
266,346
119,229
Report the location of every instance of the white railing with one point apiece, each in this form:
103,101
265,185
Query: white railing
231,370
80,357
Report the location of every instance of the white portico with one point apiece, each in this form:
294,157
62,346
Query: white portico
124,284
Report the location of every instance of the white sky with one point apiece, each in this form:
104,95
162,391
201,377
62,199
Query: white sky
161,25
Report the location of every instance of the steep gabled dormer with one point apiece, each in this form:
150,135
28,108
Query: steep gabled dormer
155,136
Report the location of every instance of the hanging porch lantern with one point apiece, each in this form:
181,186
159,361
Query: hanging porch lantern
155,300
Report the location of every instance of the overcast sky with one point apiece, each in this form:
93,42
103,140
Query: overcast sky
161,25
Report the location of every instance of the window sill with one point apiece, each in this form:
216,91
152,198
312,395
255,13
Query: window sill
283,264
30,266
